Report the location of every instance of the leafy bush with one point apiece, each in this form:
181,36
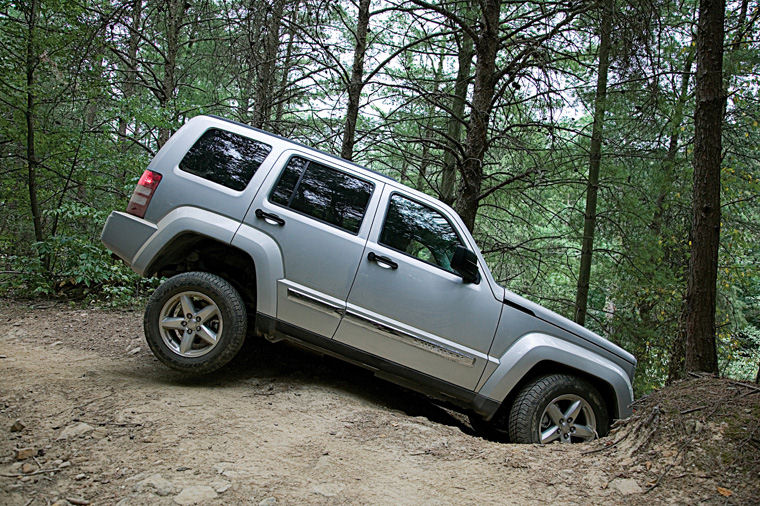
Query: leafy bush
72,267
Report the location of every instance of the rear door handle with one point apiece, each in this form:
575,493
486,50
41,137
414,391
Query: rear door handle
270,218
384,262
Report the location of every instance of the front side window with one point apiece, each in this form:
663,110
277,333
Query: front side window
419,231
323,193
225,158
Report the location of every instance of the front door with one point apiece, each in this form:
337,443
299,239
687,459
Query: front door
408,306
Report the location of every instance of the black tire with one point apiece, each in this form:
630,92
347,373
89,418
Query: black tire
531,414
210,338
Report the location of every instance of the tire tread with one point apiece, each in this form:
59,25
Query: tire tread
235,324
533,393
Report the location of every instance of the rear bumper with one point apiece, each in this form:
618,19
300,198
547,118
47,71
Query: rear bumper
125,234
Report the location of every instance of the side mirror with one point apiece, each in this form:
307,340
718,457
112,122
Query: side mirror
465,263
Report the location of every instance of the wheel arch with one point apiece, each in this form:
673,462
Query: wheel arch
191,251
547,367
237,246
536,354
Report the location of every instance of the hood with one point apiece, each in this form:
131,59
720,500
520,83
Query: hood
548,316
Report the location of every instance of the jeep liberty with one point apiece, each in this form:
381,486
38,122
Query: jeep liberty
261,235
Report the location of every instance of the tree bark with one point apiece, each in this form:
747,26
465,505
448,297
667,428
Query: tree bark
427,135
668,165
595,156
263,102
676,360
701,354
456,119
487,46
356,83
130,81
175,11
32,162
283,91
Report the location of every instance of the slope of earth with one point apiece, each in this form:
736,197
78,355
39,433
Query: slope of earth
87,416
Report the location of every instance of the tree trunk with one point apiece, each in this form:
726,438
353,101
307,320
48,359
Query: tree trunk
701,292
263,102
31,156
427,135
595,156
283,91
668,165
130,81
357,81
175,10
676,362
487,47
456,119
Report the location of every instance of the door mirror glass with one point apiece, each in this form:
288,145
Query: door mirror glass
465,263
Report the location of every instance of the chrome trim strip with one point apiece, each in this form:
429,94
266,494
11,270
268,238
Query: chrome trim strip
314,303
438,349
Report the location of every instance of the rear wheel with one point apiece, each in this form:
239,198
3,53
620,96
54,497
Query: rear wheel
557,407
195,322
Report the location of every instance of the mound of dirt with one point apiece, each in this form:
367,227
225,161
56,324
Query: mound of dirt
88,416
700,435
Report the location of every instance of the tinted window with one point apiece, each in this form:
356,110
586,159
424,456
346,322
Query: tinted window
323,193
419,231
225,158
283,190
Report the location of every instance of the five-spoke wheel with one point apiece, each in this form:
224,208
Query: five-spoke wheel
190,324
195,322
568,418
557,407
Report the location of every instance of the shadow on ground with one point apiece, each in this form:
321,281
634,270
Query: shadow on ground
281,364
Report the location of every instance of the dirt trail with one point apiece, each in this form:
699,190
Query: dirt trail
109,424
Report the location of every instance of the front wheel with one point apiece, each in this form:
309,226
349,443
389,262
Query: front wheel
195,322
557,407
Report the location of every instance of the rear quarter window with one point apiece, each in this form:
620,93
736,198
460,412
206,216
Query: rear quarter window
225,158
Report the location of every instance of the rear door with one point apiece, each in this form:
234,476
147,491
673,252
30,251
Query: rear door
408,306
320,216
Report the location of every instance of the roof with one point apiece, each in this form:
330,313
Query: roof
301,145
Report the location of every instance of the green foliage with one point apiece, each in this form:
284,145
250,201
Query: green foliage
110,81
81,269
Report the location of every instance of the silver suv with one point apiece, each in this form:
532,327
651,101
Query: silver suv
259,233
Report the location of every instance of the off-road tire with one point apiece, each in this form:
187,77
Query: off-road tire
533,398
231,314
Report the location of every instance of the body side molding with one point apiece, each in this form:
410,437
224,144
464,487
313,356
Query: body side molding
382,368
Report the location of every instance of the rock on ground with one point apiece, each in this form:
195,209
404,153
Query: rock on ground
195,494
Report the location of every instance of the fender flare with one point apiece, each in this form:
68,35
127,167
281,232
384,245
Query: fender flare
267,258
180,221
260,247
534,348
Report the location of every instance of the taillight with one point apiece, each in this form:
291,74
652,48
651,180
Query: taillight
144,190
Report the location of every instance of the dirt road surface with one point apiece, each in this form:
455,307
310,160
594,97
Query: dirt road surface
100,421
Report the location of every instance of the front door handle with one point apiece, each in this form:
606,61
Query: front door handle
384,262
270,218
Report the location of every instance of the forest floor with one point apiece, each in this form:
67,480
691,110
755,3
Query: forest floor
88,416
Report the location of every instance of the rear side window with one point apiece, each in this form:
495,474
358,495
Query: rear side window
225,158
323,193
